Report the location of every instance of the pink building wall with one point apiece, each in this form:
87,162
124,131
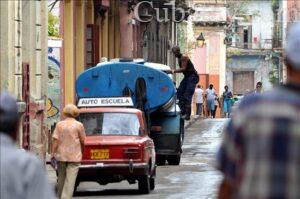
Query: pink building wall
293,7
199,59
214,54
126,30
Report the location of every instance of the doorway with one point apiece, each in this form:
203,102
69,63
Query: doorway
243,81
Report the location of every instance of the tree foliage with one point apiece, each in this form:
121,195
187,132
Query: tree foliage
235,8
53,25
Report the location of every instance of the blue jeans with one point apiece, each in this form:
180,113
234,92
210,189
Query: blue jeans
185,93
199,108
227,106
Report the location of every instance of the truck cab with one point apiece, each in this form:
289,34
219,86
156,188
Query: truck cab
117,146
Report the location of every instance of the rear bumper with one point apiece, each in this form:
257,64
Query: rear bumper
94,172
112,166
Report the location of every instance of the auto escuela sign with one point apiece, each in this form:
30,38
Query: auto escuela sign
100,102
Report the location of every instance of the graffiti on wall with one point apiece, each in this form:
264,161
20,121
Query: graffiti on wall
53,101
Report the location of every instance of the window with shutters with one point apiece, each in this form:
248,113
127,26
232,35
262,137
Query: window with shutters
92,45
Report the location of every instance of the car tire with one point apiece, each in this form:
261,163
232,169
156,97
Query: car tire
160,160
152,183
75,187
174,159
144,184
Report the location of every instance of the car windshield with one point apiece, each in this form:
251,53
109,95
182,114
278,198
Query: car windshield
110,123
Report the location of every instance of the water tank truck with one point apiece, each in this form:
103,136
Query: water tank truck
152,91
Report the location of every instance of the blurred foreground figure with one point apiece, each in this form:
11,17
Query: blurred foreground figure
22,175
260,153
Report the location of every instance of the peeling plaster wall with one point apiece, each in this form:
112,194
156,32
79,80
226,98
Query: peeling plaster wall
23,39
258,64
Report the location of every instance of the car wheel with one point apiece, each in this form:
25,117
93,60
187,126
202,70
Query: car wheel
144,184
152,183
174,159
160,160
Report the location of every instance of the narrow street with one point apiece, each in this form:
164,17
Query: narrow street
194,178
97,90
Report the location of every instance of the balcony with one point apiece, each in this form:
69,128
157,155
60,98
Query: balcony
265,44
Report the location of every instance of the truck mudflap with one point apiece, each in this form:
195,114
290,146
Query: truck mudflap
167,144
168,137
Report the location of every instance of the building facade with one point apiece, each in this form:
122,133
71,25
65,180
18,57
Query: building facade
250,54
293,11
99,30
23,66
209,20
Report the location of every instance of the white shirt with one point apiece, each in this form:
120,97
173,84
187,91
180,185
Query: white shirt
216,102
210,94
199,95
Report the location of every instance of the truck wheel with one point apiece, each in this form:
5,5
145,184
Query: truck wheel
174,159
160,160
144,184
181,131
152,183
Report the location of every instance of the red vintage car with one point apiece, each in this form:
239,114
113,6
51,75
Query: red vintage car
117,148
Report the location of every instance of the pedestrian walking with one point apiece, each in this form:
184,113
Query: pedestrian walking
217,104
199,100
67,149
259,156
227,102
259,88
22,175
187,86
210,95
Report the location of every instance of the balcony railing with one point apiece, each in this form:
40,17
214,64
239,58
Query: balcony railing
262,44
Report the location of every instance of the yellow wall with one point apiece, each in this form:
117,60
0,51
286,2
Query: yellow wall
110,32
76,15
89,12
80,35
69,51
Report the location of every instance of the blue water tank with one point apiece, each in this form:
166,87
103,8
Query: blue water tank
111,79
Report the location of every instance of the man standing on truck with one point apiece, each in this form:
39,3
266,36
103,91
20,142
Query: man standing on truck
187,86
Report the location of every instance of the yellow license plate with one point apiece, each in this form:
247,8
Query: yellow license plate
99,154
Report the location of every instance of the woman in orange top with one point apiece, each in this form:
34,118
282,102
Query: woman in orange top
67,149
